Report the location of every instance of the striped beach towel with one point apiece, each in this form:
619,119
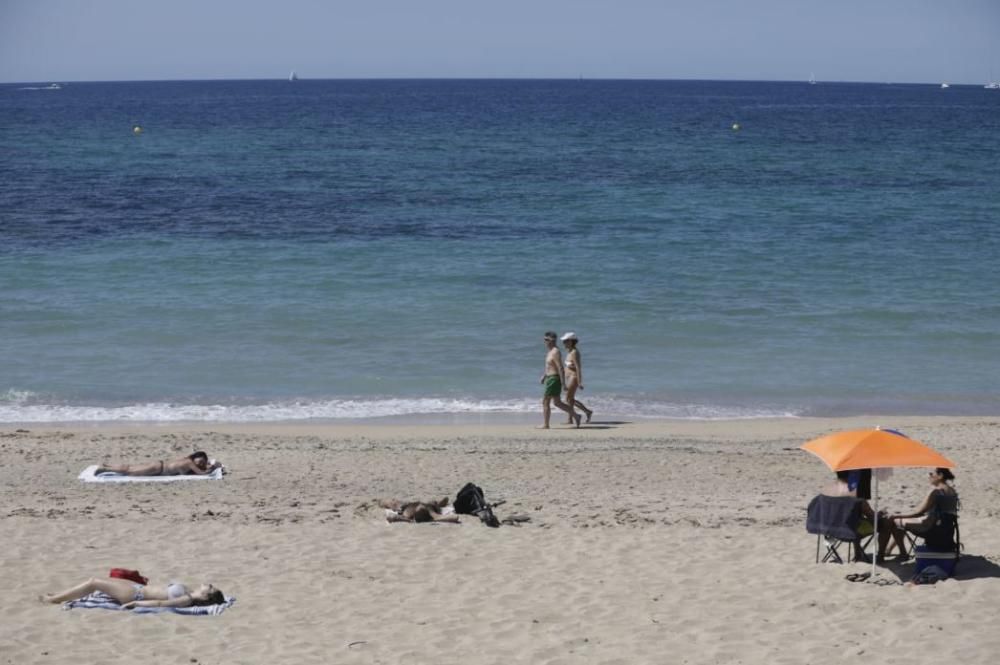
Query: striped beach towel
100,600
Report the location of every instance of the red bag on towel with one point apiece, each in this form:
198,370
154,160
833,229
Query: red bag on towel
127,574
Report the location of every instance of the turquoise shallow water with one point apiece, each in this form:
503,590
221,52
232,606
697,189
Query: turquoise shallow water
341,249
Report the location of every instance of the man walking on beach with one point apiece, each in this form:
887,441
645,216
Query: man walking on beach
553,380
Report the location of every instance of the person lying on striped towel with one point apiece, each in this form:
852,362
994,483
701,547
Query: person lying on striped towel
132,594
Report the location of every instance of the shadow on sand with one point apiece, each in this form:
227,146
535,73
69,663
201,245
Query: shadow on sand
973,567
970,567
595,424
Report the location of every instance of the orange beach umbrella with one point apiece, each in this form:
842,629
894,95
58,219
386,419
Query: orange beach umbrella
873,449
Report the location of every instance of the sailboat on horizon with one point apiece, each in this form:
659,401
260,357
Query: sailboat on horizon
293,76
812,78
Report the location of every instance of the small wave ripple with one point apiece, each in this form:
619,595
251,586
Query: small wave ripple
24,409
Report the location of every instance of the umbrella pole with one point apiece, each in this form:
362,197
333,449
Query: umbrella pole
875,520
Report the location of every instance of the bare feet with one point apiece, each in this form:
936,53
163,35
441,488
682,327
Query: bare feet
578,418
542,427
589,414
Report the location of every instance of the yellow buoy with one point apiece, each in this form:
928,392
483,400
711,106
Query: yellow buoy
136,129
736,126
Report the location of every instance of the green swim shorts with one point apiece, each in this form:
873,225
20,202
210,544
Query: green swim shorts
553,386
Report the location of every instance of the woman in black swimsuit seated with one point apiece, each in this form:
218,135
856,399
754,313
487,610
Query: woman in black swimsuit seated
942,499
195,464
131,594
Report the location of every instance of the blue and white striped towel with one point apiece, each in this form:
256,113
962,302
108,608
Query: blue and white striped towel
88,475
101,600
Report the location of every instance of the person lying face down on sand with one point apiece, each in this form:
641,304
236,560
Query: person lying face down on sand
131,595
195,464
418,511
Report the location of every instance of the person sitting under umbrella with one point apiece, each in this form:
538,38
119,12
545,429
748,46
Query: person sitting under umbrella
847,483
942,499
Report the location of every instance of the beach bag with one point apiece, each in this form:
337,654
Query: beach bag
470,500
126,574
930,575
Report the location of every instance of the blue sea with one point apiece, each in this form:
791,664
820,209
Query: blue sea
345,249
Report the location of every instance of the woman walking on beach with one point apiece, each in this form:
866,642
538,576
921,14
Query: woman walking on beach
131,594
574,374
195,464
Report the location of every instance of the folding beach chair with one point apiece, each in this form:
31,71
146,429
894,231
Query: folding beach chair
835,521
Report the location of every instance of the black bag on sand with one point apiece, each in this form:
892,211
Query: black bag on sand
471,501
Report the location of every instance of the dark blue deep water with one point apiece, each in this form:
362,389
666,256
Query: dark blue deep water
323,249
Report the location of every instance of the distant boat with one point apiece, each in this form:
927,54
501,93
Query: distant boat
945,85
53,86
992,85
812,79
293,76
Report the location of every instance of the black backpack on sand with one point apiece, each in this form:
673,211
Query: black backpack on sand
471,501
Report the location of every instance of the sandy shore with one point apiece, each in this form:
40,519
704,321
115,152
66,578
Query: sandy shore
656,542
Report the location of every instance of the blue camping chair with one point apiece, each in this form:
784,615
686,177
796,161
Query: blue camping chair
835,521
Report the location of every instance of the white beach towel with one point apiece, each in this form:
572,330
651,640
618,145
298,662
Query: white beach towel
100,600
90,475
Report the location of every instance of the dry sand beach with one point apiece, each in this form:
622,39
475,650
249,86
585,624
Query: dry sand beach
653,542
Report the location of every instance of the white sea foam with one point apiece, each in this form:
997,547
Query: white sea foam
15,396
24,409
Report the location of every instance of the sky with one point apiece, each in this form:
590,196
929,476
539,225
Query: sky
899,41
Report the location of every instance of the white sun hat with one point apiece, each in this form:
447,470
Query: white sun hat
569,336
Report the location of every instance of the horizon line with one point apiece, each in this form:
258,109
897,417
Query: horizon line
483,78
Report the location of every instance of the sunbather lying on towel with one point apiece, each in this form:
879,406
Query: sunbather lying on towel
195,464
131,594
418,511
